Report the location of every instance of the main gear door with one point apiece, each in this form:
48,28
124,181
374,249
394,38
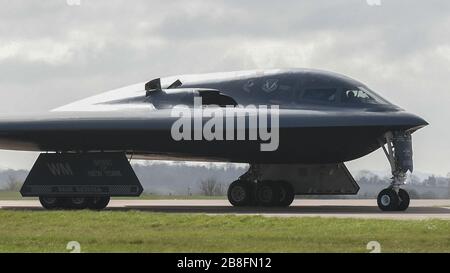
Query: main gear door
81,174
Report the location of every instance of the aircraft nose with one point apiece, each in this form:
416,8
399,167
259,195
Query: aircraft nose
416,121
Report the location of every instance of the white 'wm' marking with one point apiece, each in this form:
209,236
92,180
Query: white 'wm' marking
60,169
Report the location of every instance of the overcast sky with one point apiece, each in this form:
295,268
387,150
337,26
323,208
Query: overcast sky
52,53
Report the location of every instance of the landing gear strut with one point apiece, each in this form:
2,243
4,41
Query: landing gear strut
399,154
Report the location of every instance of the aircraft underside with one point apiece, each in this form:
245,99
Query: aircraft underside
80,180
316,145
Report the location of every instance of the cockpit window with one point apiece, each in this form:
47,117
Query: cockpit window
274,90
320,94
361,95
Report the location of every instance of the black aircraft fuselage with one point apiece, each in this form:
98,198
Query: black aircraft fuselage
323,118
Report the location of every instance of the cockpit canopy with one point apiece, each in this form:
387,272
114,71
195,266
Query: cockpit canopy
288,89
309,89
345,95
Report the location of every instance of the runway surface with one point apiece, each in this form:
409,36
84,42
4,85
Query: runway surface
419,209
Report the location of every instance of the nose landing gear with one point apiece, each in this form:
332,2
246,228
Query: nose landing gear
399,155
392,200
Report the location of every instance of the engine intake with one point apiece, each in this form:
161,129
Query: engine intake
167,98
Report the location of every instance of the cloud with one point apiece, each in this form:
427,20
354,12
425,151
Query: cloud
52,53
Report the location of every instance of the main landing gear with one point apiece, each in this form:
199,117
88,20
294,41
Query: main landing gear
244,193
249,191
399,154
81,180
74,203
